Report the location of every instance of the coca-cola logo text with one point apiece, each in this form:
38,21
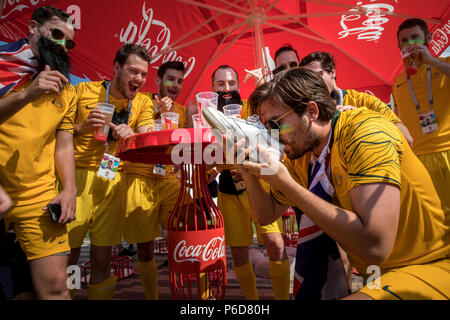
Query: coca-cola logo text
371,29
213,250
440,38
11,6
154,46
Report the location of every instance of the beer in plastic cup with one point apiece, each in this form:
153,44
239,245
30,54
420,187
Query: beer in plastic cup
232,110
206,99
411,60
107,110
197,121
157,125
170,120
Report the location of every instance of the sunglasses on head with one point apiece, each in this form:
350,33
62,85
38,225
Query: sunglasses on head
57,36
292,64
274,125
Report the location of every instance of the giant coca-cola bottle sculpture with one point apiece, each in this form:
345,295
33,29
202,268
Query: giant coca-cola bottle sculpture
196,238
196,241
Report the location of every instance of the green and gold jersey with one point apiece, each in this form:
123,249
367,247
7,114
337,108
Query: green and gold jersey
368,148
88,151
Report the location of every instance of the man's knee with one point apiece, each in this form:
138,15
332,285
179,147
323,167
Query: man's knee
274,244
145,251
49,276
100,257
240,255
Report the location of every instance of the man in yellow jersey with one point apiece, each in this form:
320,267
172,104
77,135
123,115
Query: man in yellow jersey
238,216
151,191
35,139
100,199
384,213
426,96
324,64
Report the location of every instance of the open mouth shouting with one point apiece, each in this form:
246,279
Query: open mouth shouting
133,89
172,93
227,96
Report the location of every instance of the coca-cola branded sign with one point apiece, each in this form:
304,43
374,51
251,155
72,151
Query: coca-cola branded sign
195,251
369,26
154,35
441,36
14,8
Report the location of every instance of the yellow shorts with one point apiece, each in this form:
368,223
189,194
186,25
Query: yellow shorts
38,235
149,202
238,218
100,209
415,282
438,166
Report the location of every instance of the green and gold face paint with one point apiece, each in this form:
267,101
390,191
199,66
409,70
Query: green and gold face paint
406,43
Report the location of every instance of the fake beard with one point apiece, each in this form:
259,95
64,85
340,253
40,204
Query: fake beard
53,55
221,101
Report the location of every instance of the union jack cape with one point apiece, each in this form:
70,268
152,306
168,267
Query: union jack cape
17,65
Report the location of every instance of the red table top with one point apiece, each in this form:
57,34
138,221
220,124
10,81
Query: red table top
157,146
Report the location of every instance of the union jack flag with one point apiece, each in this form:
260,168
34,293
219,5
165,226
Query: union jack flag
17,65
319,270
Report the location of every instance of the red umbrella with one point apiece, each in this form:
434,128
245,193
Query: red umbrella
361,35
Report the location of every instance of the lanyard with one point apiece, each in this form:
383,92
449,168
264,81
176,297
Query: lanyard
108,87
430,93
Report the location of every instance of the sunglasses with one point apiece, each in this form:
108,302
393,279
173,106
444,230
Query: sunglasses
292,64
274,125
57,36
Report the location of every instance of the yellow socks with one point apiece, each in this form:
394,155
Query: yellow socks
103,290
72,293
149,278
246,278
279,274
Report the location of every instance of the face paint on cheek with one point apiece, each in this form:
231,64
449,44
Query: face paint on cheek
286,128
168,83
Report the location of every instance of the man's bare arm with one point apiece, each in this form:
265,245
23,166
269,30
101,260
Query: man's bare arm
65,164
369,231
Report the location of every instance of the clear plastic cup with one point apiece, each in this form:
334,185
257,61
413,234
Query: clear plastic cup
170,120
232,110
206,99
197,121
107,110
157,125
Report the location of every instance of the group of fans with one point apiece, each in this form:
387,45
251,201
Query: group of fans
368,185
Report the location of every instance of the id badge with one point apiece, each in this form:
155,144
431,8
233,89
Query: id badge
239,182
108,167
159,169
428,122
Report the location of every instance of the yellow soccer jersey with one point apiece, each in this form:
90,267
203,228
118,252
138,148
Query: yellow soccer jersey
361,99
27,146
367,148
146,170
435,141
88,151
